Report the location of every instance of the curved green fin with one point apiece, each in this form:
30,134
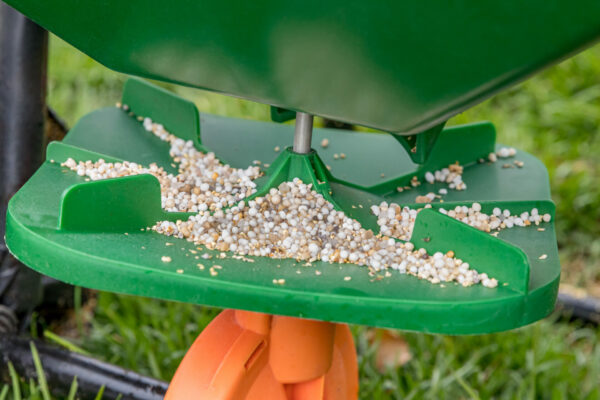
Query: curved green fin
178,115
114,205
507,263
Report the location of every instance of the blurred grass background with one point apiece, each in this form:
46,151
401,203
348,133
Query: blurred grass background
555,116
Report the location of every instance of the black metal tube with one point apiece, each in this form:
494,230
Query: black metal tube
586,309
61,366
23,59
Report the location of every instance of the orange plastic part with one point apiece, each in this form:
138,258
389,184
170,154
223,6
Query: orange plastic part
243,355
301,349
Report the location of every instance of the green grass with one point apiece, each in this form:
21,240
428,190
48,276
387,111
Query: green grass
555,116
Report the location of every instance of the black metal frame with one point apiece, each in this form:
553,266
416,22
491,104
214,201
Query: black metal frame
60,366
23,46
23,114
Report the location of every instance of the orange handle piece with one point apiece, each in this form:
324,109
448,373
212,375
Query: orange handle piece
243,355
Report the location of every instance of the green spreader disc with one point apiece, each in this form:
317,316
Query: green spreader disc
93,233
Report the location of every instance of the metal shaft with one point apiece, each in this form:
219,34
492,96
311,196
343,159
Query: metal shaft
303,133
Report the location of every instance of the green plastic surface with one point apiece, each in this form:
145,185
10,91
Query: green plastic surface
396,65
93,233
